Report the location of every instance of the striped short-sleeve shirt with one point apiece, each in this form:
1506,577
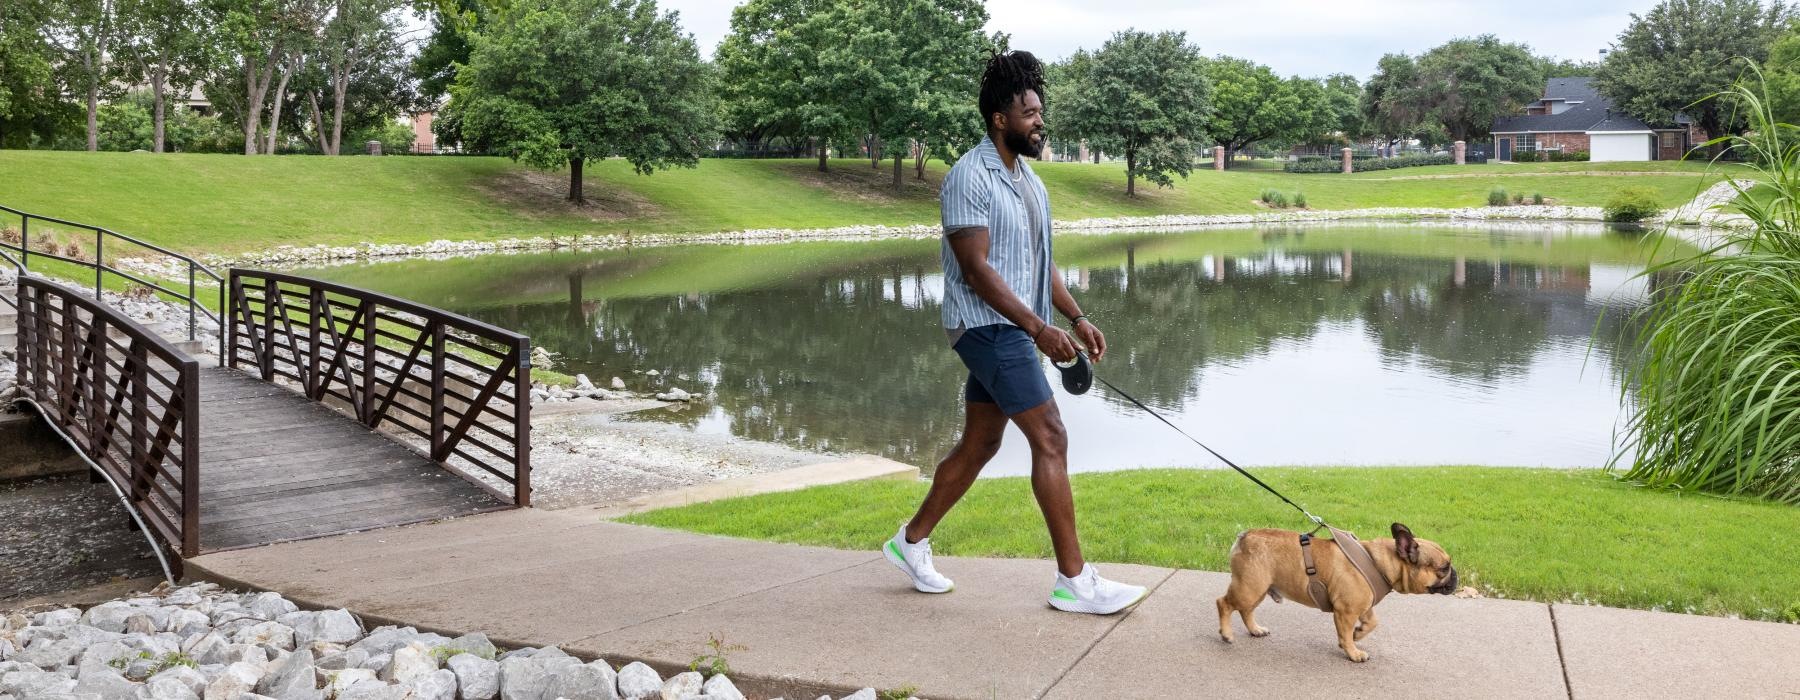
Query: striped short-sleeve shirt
979,192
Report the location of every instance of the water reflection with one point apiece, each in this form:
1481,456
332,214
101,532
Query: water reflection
1341,345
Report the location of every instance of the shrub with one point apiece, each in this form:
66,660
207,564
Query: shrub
1278,200
1300,200
1497,197
1519,198
1537,198
1631,205
1268,195
1332,165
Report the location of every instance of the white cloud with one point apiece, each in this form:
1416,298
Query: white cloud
1304,37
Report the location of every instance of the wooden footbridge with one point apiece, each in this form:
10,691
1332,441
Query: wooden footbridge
328,409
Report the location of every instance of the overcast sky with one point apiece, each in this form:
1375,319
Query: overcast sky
1302,37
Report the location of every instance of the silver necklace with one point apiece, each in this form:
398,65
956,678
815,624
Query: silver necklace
1018,173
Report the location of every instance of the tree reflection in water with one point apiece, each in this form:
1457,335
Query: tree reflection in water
837,346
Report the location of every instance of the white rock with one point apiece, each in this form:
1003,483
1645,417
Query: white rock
348,658
292,678
186,622
166,689
99,657
681,685
374,690
653,373
595,681
53,618
410,661
188,595
106,683
864,694
341,681
719,687
190,677
582,382
478,678
238,679
269,606
637,680
474,643
334,626
437,685
49,653
109,616
34,683
618,383
273,634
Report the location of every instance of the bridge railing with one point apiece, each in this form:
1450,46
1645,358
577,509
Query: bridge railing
17,249
461,386
123,396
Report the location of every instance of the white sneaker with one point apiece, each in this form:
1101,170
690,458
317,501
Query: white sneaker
915,560
1088,593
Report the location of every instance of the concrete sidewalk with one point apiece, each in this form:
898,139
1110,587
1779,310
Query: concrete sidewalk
817,620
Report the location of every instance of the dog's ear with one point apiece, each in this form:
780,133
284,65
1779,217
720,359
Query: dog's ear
1404,544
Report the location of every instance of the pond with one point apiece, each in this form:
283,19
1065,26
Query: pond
1368,344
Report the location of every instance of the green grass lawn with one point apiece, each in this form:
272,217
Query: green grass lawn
232,203
1537,534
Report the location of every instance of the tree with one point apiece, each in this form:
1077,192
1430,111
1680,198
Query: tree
259,38
1466,83
1683,51
568,81
1566,68
771,82
1251,103
1781,77
31,104
359,47
167,45
1339,110
905,69
1391,102
1145,96
84,30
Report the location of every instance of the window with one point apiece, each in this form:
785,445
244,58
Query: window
1525,142
1668,139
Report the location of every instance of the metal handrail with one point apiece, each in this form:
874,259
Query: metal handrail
449,380
195,268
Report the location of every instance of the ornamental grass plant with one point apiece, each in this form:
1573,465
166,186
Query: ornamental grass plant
1714,393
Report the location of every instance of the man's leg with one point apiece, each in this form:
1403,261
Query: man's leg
1043,428
983,426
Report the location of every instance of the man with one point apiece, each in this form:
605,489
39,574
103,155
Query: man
1000,284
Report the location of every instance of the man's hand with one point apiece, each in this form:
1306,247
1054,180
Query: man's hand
1091,338
1055,343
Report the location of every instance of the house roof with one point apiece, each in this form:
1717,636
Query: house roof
1587,110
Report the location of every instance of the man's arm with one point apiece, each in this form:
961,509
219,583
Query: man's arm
970,246
1085,330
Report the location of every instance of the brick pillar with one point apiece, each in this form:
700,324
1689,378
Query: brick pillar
1462,151
1347,167
1218,157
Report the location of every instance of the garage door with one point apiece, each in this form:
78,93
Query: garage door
1605,147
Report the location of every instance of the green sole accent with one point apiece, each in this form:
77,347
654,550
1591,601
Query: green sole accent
896,550
1060,593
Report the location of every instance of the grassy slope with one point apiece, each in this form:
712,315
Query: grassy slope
1519,533
227,203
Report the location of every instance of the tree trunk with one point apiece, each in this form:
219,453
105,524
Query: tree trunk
156,109
1131,172
337,115
93,116
255,87
899,179
874,153
919,161
287,71
575,182
824,153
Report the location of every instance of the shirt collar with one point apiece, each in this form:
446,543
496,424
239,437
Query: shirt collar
991,156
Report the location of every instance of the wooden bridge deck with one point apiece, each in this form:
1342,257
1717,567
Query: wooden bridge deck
277,466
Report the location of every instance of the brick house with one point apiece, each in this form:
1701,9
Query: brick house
1573,116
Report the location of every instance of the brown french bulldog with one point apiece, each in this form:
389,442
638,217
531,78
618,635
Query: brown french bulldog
1268,563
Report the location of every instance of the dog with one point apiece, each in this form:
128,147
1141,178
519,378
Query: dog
1269,563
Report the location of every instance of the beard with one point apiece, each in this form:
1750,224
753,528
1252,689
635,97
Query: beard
1022,144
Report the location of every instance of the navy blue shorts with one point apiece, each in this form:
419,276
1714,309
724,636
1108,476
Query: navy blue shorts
1003,368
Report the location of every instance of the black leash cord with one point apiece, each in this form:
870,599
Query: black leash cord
1209,450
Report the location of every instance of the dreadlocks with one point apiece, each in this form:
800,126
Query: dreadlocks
1007,77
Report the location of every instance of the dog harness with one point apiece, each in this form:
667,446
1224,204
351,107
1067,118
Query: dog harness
1353,550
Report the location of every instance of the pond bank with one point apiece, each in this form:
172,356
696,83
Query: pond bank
1699,212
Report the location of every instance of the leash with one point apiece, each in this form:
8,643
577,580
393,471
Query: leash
1252,477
